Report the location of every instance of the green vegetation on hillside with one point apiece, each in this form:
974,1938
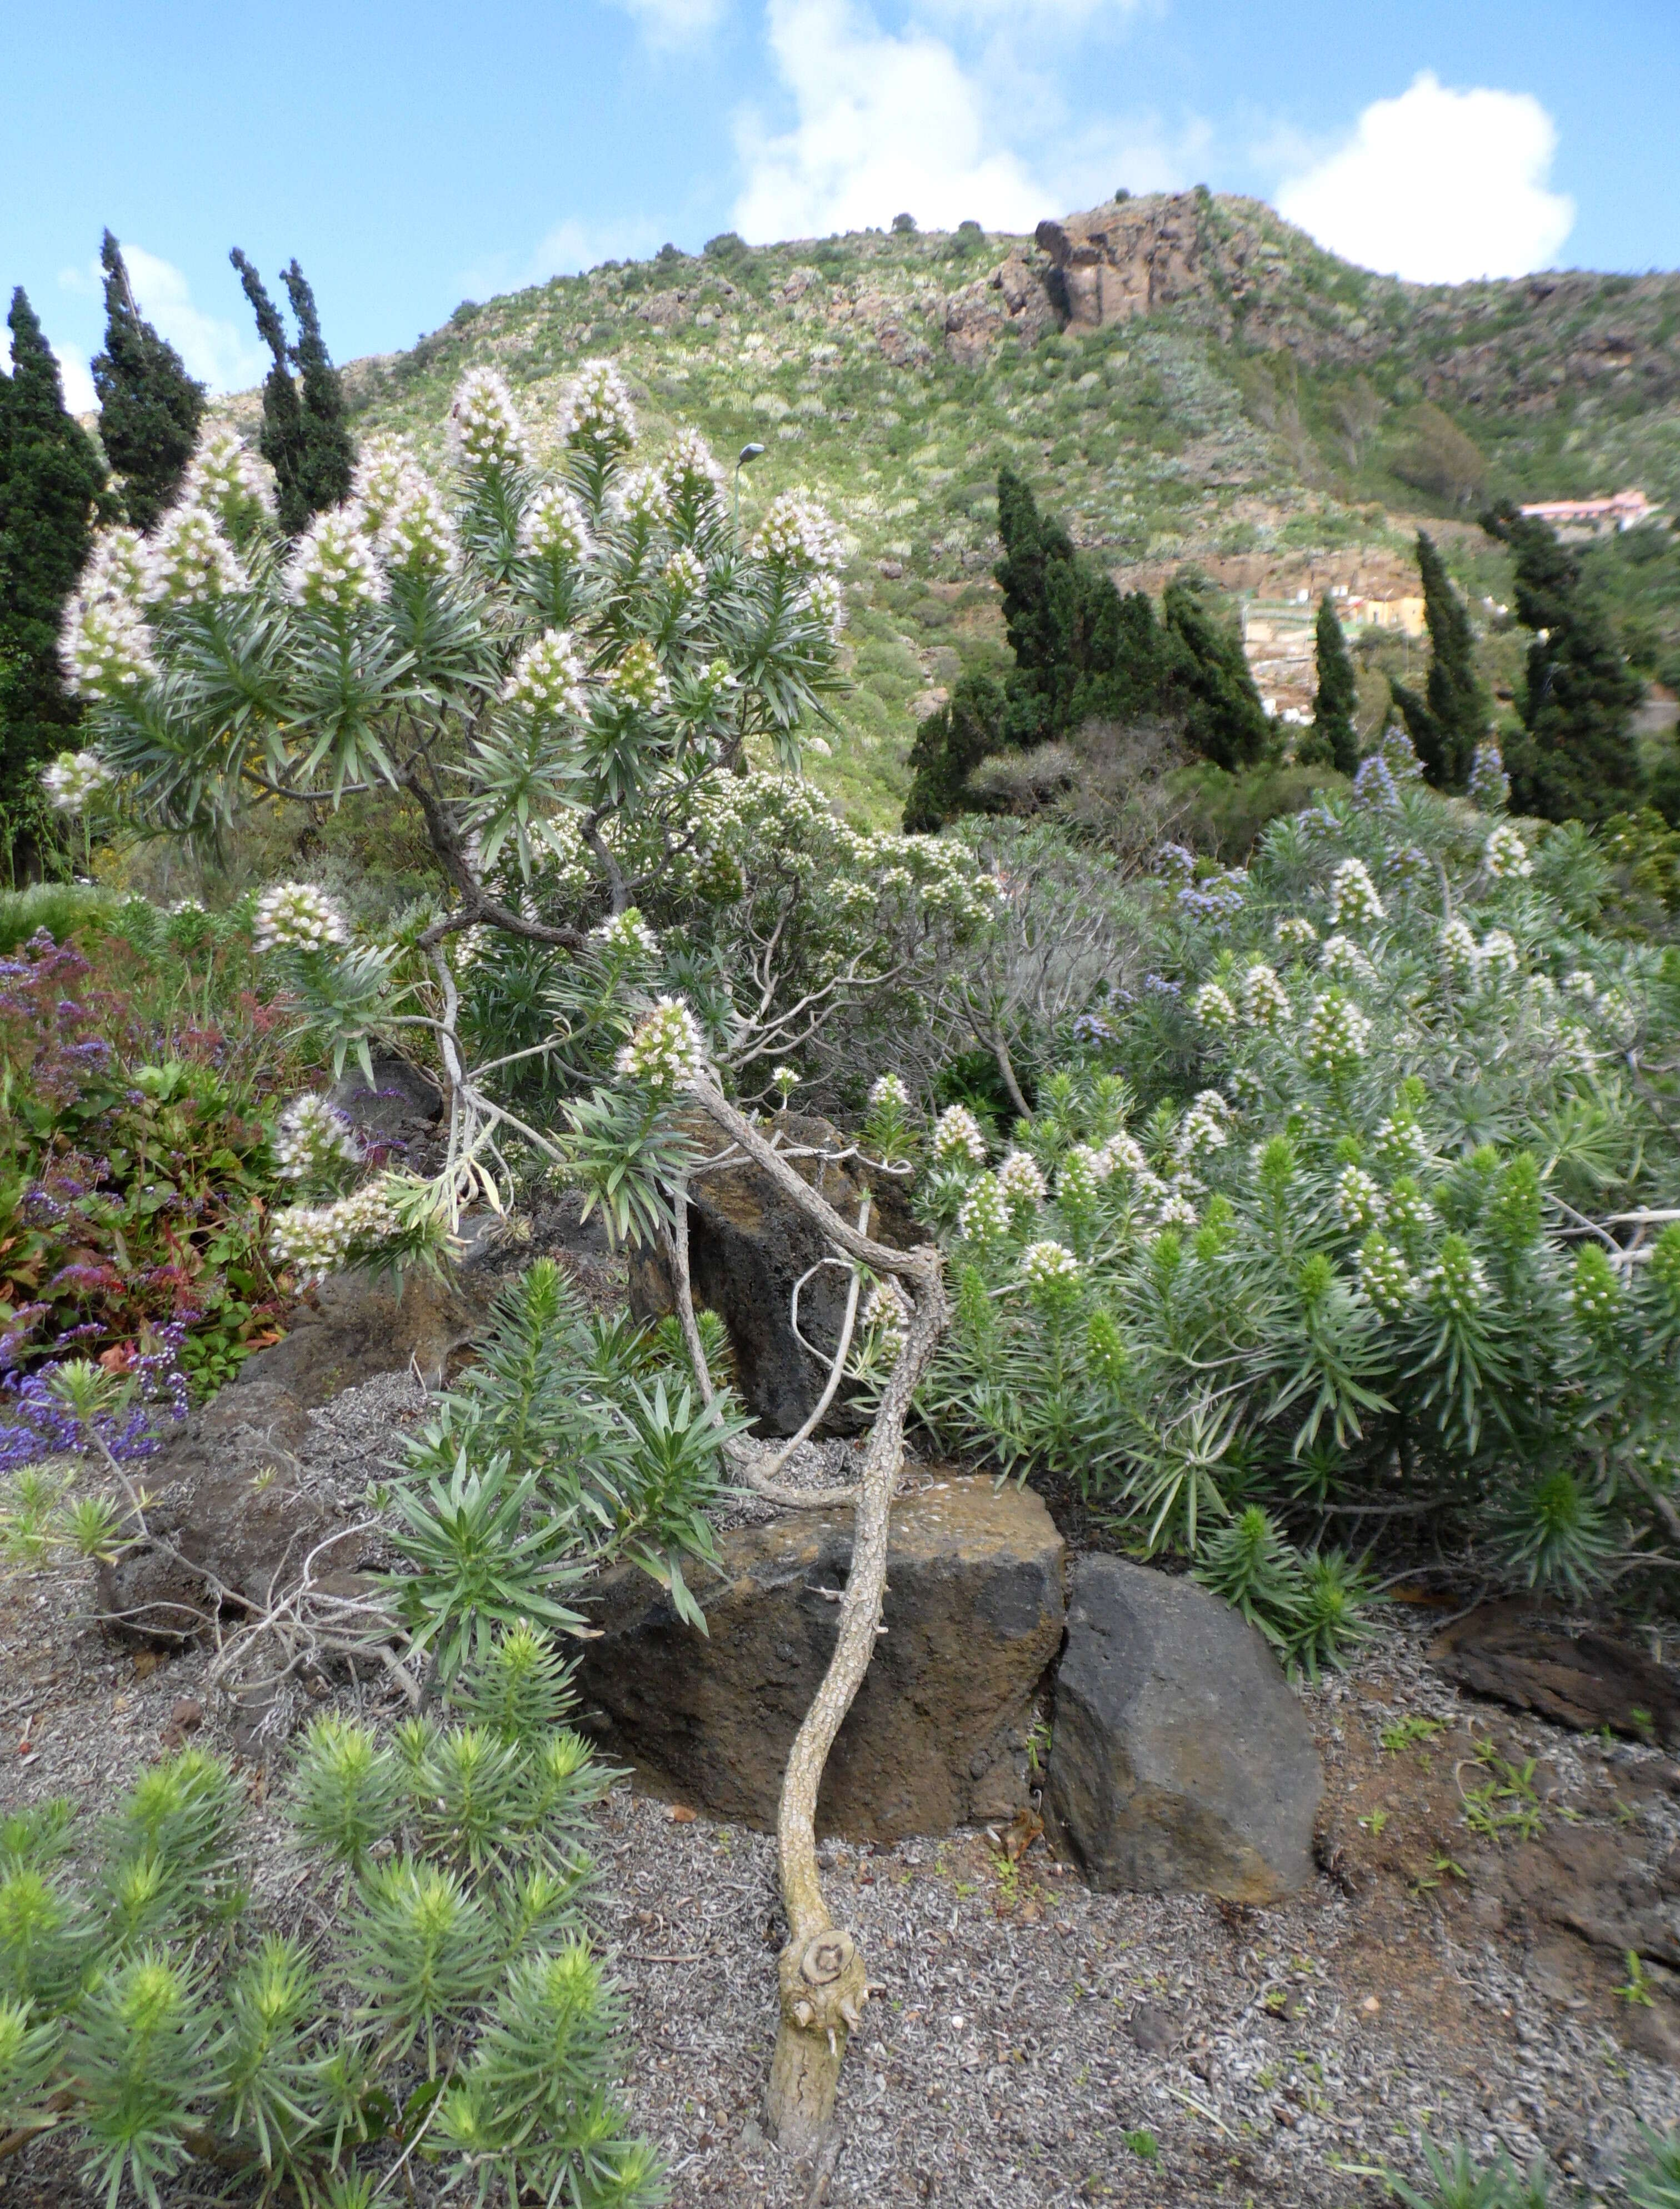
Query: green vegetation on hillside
1291,411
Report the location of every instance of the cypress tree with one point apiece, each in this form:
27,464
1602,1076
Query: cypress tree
1333,740
1578,758
149,407
281,440
1452,717
949,745
1083,652
329,450
50,482
1208,683
305,437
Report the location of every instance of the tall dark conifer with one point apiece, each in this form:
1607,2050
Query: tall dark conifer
280,440
303,438
1333,739
1209,685
1578,758
1452,716
329,452
149,407
1083,652
50,480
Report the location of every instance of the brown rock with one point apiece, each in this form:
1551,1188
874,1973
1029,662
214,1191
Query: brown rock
901,348
1011,301
748,1247
1519,1656
399,1108
1651,2030
936,1735
227,1505
1593,1883
359,1327
1124,259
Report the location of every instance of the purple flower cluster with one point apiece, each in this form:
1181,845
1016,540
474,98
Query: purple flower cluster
1219,898
34,1424
1091,1028
1158,985
1375,785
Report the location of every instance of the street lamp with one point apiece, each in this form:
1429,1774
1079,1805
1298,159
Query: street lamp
747,454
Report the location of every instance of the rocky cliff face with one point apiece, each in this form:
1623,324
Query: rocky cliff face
1121,260
1235,267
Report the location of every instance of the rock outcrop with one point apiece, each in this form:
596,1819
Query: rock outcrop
228,1504
936,1737
1011,302
748,1247
402,1107
1518,1656
1122,259
1181,1761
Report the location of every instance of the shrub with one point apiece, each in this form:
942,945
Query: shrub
135,1165
140,2010
1343,1246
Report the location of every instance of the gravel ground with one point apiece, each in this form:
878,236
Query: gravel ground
1036,2044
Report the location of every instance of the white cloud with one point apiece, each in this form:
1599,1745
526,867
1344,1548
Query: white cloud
80,395
572,246
1036,14
227,356
1439,186
884,125
674,22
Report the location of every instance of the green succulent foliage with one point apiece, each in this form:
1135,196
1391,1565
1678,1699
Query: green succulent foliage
269,2097
538,2125
1353,1239
1652,2178
162,2034
347,1789
522,1693
624,1154
481,1557
1335,1592
1253,1566
145,2051
422,1949
553,1456
28,2053
1459,2181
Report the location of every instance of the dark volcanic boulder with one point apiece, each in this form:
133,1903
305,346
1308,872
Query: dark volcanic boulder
359,1327
937,1737
1181,1761
748,1247
228,1501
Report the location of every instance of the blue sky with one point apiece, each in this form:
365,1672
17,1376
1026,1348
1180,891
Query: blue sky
412,155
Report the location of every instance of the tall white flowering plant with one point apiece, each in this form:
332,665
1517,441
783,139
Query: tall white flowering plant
1381,1231
592,687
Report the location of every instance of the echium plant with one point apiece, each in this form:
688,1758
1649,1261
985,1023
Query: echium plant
592,687
1389,1237
449,2007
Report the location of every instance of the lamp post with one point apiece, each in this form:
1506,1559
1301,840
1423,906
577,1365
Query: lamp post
747,454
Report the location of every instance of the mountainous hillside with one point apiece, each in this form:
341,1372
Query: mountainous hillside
1182,377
